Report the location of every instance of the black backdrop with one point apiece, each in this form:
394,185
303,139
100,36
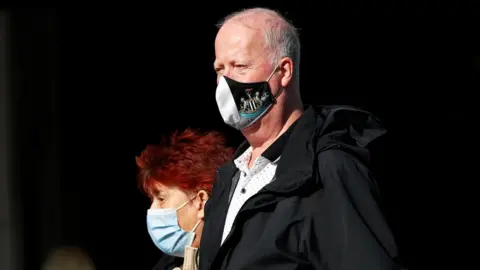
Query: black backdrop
91,86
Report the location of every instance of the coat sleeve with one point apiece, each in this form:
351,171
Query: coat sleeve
346,229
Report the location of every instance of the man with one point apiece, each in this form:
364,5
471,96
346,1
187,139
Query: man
299,193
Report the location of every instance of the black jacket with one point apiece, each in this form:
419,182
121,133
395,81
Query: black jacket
320,212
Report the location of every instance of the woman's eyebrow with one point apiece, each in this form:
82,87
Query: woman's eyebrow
157,192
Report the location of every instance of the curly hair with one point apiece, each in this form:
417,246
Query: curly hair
187,160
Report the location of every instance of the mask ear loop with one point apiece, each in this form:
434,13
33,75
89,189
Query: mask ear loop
198,222
196,225
185,203
273,72
278,94
281,88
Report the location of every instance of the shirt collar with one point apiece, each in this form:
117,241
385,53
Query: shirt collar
272,153
275,150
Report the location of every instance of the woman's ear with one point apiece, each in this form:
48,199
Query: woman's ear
202,196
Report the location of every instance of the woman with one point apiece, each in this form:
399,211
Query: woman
178,175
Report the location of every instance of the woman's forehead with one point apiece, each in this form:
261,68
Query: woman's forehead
160,188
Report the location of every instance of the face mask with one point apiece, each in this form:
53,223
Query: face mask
243,104
162,225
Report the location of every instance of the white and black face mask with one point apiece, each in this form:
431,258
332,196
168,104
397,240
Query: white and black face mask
243,104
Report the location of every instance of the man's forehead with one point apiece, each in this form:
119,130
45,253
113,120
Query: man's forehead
236,33
237,42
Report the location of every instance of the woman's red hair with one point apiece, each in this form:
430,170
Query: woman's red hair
187,160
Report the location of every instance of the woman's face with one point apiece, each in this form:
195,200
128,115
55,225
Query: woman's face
188,215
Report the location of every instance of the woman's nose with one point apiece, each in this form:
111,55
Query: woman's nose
155,204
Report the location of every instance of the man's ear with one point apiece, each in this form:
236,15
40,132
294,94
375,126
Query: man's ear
202,198
286,67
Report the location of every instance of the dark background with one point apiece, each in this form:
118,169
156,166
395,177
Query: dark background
91,86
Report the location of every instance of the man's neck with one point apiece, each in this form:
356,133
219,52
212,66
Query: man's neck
268,130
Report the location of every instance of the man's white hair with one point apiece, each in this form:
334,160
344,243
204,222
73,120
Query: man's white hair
281,37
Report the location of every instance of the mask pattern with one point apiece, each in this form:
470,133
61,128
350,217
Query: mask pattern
242,104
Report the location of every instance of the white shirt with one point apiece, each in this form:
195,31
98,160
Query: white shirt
250,182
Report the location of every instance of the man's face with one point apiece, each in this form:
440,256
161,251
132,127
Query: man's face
240,54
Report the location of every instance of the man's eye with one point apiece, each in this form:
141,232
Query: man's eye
218,69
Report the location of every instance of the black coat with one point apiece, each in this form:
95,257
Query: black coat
320,211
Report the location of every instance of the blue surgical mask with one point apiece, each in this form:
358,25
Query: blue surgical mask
162,225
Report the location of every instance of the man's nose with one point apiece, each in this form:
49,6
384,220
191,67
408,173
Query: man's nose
225,72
